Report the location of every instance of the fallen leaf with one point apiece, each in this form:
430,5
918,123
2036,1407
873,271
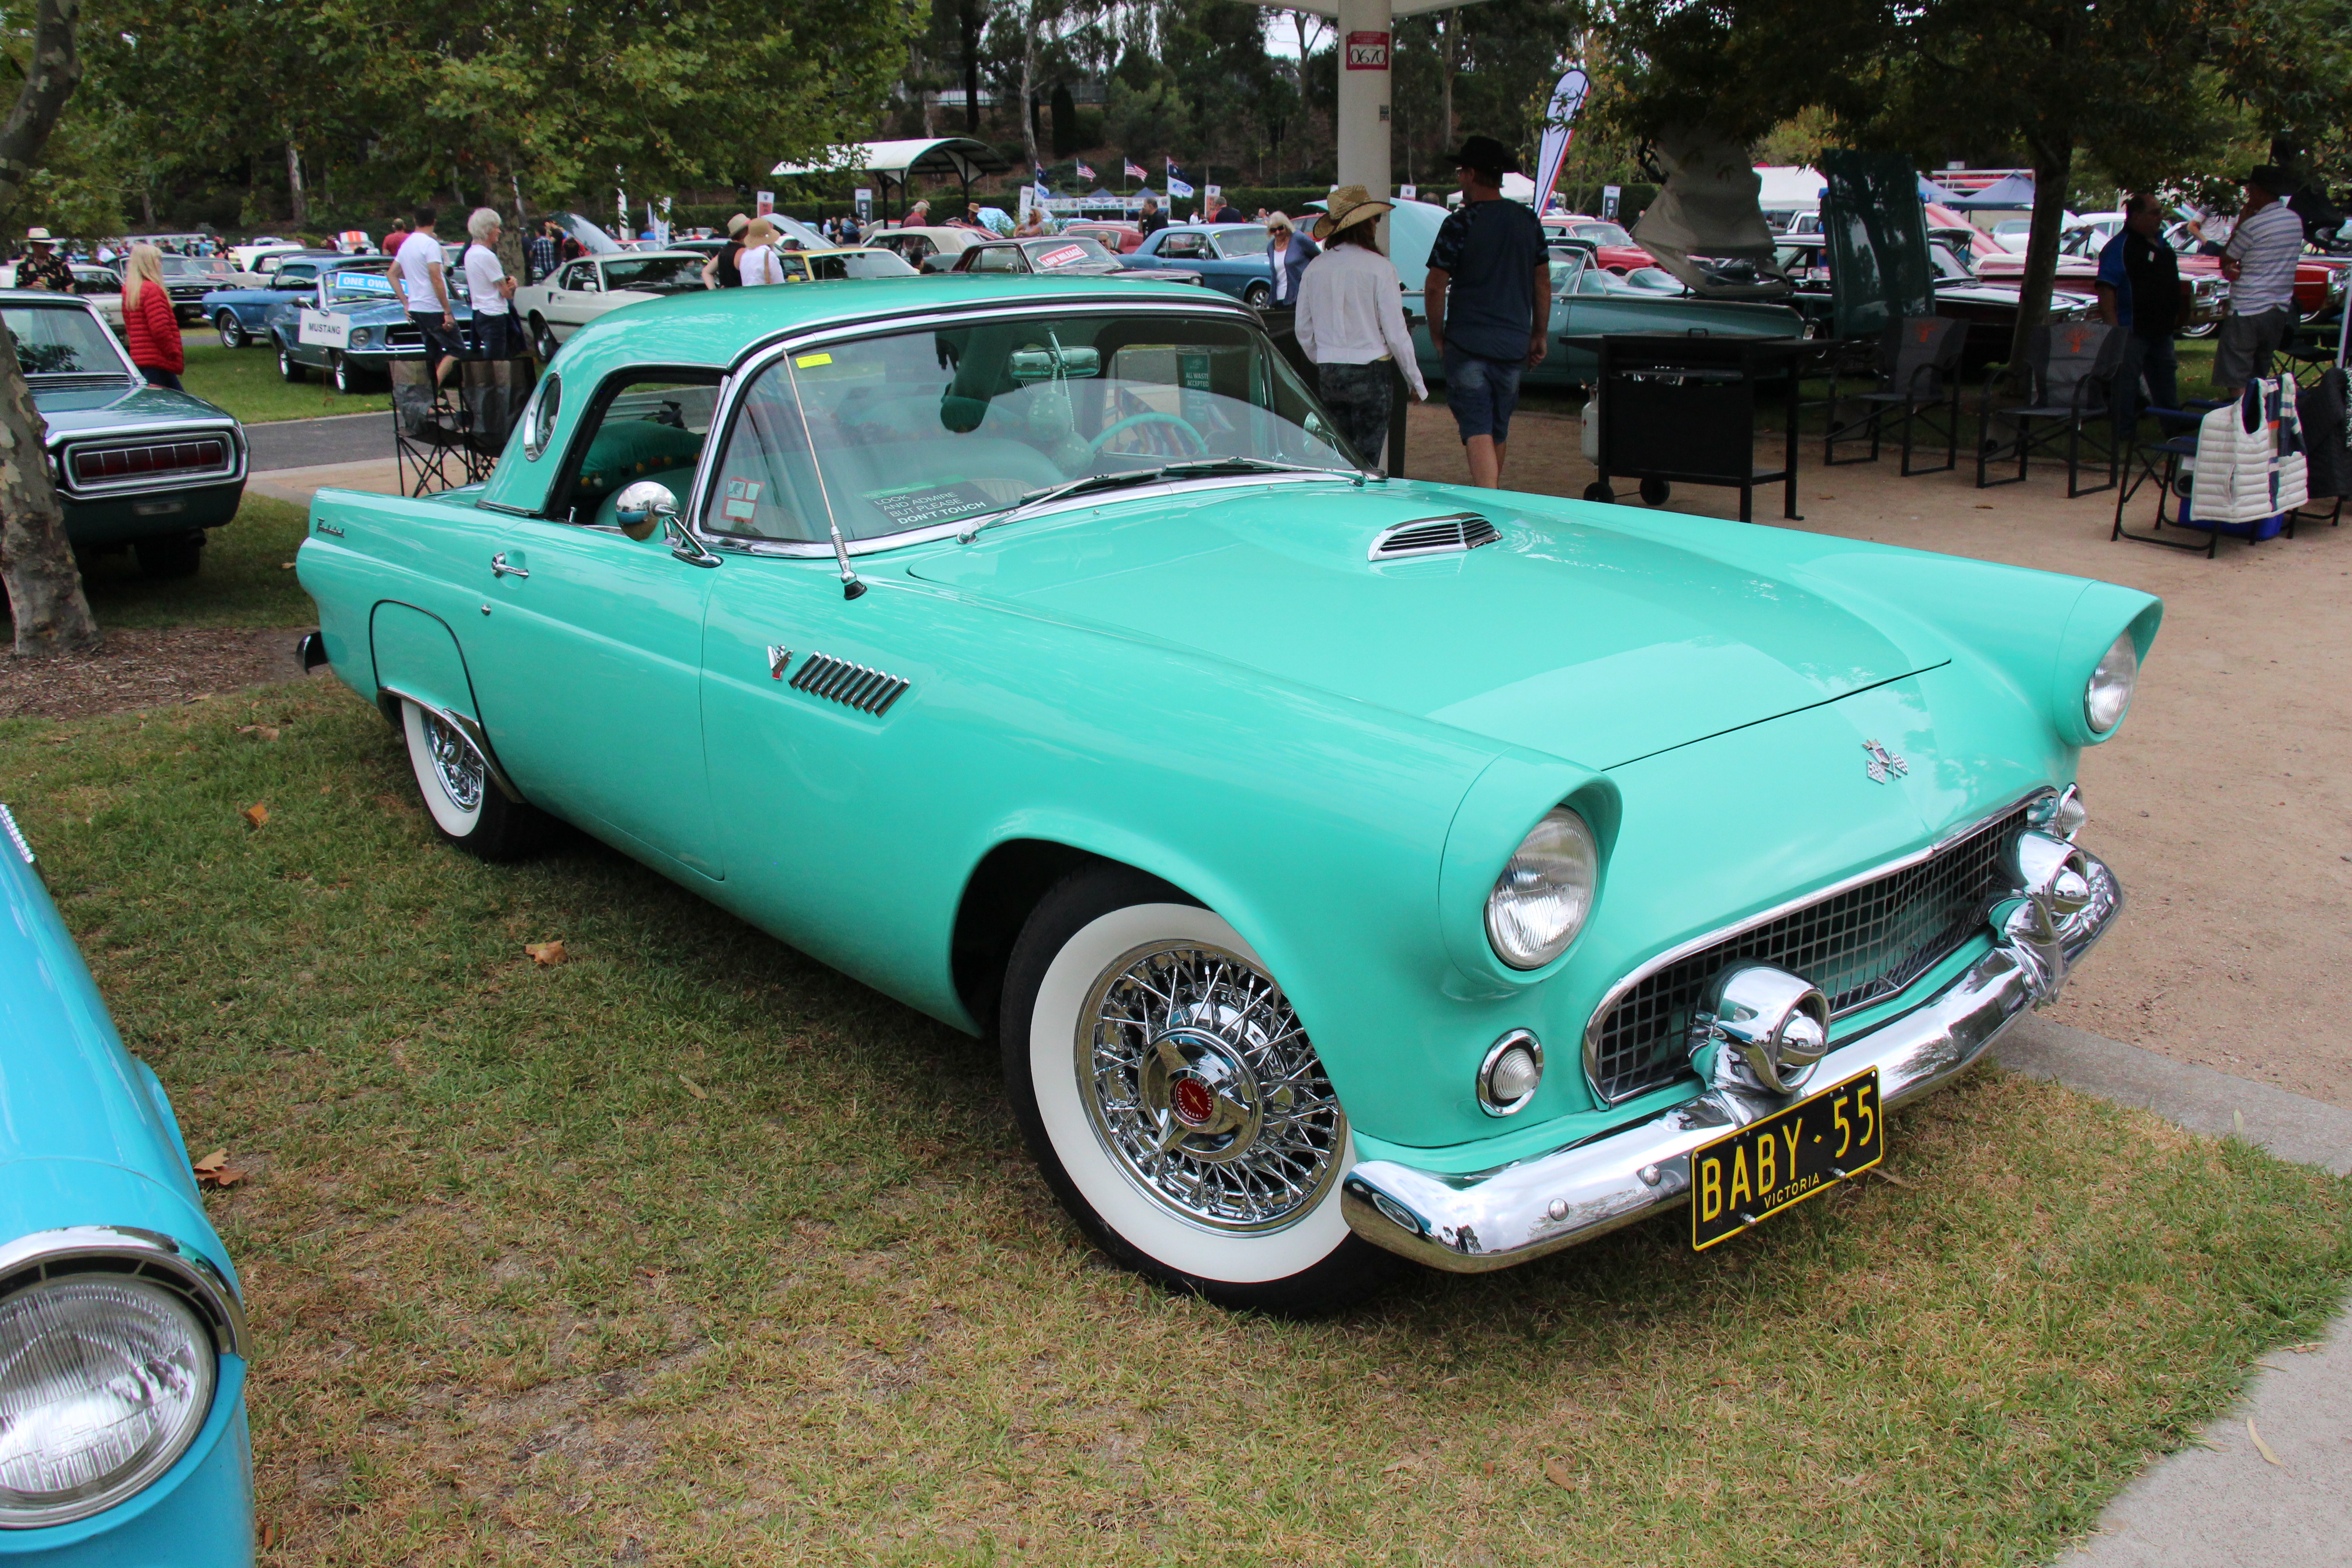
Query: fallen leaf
286,566
1886,1175
2309,1348
257,814
2259,1447
548,953
693,1088
214,1171
214,1161
265,731
1557,1472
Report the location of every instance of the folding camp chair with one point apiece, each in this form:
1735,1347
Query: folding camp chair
431,434
2070,371
1918,370
2171,464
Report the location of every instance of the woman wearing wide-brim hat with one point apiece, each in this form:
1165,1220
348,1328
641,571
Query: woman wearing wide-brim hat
1351,321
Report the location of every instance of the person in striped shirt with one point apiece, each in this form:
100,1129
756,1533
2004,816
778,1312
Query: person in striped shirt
2260,262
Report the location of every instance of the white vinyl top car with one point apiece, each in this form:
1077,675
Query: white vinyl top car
583,290
922,246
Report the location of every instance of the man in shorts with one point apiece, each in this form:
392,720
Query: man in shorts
2258,261
425,290
1489,295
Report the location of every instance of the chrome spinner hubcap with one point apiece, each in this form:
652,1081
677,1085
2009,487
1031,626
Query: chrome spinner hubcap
1203,1089
455,764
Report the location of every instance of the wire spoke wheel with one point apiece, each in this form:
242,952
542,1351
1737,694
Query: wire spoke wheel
1203,1089
455,764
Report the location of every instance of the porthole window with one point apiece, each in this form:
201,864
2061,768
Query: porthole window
540,428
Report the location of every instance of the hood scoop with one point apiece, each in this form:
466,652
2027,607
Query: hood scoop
1449,535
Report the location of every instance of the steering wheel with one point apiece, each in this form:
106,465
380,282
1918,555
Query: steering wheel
1200,442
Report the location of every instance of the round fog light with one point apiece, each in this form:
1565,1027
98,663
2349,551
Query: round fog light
1508,1079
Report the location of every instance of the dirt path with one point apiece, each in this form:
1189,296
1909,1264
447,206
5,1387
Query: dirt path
2226,802
147,669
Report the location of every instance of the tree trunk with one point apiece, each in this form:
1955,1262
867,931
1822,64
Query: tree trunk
1028,92
300,203
36,561
968,14
1453,64
2052,164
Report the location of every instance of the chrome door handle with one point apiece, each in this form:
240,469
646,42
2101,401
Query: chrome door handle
498,567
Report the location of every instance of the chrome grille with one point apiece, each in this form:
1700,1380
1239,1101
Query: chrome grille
1860,945
1430,536
405,337
851,685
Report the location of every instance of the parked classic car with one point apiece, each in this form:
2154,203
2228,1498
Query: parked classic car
1120,238
380,329
124,1348
188,280
1610,244
1989,308
1068,256
1589,299
579,291
102,287
933,249
240,315
136,467
1229,258
1033,650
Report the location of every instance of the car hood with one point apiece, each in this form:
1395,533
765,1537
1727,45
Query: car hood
1595,643
74,410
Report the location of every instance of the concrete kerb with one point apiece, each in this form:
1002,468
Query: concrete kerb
2269,1485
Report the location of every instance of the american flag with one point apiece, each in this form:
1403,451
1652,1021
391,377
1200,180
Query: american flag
1135,171
1085,172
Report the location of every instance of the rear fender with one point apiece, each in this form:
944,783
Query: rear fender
418,658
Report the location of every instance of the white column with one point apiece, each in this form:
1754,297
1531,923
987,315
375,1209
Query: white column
1366,33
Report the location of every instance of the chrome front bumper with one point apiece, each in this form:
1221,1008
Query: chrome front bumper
1469,1223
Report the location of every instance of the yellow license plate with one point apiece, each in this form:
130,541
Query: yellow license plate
1745,1177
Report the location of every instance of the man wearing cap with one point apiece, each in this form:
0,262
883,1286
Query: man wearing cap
43,267
720,270
1489,298
2258,261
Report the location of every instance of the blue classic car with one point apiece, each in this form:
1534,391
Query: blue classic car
123,1338
240,315
136,467
380,329
1346,867
1229,256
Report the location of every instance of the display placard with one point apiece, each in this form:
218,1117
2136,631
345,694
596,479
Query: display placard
325,328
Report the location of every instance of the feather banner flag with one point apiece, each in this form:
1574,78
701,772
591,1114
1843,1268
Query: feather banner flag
1559,124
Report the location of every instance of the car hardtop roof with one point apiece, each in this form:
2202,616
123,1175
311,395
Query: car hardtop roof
717,328
41,297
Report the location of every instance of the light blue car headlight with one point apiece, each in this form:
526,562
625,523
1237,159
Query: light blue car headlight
362,337
104,1382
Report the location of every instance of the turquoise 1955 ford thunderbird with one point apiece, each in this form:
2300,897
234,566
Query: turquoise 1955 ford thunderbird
1349,867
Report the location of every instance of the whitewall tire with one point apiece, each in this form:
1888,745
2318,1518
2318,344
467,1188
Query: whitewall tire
1174,1102
464,801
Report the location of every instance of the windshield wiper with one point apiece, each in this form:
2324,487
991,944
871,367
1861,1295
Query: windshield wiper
1037,499
1201,466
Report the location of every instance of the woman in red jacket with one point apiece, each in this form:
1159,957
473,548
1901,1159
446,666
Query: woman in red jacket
148,325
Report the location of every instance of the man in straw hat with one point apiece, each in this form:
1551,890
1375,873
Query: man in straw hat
1489,296
43,267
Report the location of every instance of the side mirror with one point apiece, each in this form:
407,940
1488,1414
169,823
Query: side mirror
642,507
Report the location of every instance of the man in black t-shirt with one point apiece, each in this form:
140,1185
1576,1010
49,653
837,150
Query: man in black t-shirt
1488,300
2140,290
1154,220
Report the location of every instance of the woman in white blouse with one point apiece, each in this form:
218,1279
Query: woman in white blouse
1352,322
758,262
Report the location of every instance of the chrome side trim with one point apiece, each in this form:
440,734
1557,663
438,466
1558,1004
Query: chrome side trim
1495,1218
142,1254
1681,950
469,730
15,835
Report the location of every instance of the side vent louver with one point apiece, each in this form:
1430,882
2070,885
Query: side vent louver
1452,535
851,685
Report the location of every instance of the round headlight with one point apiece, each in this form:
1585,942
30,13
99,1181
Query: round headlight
2110,691
360,336
104,1382
1541,899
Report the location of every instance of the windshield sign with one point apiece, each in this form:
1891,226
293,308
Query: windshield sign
357,286
905,431
57,342
1069,253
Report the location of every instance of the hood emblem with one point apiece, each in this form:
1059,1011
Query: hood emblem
1884,765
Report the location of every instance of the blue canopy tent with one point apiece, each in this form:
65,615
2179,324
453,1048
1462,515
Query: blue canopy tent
2012,192
1930,191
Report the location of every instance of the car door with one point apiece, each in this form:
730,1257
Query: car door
573,298
592,641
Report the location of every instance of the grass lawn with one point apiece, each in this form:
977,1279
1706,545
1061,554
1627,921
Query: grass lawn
689,1251
245,382
245,581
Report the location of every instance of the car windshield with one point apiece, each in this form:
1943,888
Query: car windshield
1249,241
656,274
1070,250
861,264
1566,266
911,429
356,286
1601,233
54,341
187,265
